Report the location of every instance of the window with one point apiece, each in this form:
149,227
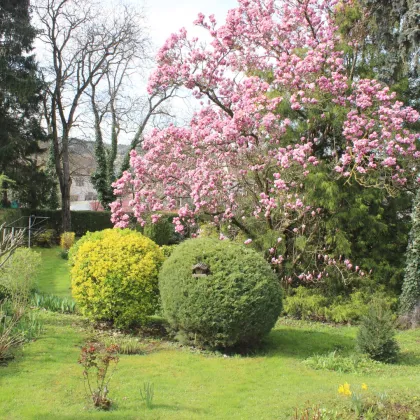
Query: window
80,182
90,196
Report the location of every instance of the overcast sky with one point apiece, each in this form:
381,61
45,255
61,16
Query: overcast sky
168,16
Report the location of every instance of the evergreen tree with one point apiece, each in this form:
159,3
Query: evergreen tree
20,88
385,43
410,295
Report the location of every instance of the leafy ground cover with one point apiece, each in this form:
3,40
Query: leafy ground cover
44,381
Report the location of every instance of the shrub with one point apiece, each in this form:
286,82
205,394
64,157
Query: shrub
236,302
167,250
356,306
97,364
160,232
306,304
376,336
90,221
90,236
17,277
67,240
208,230
115,276
312,304
45,239
17,325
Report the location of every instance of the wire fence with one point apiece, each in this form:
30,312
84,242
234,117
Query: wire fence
30,225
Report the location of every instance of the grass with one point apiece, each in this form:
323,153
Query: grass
45,381
54,276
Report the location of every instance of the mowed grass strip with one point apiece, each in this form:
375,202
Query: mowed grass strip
54,273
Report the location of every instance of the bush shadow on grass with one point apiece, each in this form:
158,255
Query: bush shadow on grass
408,358
301,344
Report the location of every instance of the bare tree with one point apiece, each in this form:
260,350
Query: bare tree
119,109
83,41
10,240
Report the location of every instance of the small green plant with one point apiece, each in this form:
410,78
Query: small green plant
17,326
357,398
30,326
344,364
126,345
315,412
64,254
97,361
147,394
372,406
53,303
376,336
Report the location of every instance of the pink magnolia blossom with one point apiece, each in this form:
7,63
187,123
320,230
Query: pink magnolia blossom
234,149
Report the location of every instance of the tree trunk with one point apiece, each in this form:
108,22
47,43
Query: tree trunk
65,186
5,198
65,208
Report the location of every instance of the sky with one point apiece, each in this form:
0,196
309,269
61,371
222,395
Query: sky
168,16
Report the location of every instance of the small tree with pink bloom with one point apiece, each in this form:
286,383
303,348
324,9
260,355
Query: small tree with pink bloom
270,84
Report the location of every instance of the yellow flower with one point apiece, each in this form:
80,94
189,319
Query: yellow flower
344,389
364,387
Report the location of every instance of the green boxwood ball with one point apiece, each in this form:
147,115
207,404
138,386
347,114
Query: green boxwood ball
232,298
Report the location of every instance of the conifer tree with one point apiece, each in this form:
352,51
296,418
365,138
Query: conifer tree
410,295
19,90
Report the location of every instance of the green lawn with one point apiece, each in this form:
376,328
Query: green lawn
45,381
54,275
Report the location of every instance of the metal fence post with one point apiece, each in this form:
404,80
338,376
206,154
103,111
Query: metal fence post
29,230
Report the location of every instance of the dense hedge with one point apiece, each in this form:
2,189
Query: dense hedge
81,221
313,304
235,304
115,276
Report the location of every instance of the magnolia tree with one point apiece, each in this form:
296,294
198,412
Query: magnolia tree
269,70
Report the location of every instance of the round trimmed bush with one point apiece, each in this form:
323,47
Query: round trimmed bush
115,276
219,294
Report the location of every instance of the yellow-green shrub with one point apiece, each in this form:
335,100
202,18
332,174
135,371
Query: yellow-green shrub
115,276
67,240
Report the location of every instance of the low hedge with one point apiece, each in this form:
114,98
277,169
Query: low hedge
81,221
